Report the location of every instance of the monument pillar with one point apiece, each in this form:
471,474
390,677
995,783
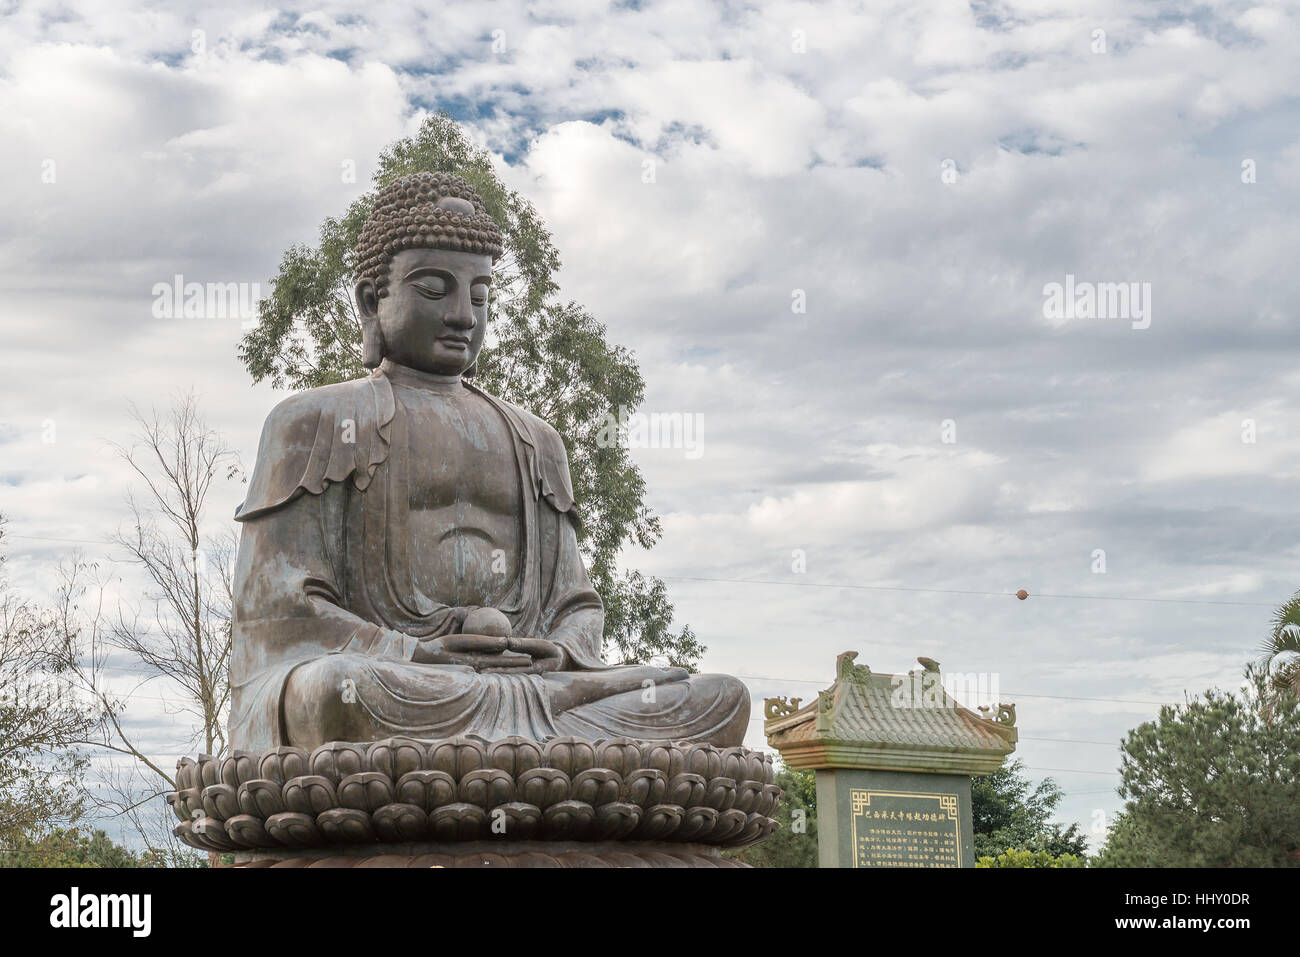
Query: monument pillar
893,757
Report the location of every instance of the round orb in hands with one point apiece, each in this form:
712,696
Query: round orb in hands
486,621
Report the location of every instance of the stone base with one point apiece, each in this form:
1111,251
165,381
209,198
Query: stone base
466,800
495,854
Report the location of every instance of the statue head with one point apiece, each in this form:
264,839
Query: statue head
424,264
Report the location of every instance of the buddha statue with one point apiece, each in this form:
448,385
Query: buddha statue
408,563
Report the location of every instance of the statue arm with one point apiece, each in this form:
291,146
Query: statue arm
574,617
288,601
315,447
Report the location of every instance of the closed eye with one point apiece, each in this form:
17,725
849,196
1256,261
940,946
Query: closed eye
429,291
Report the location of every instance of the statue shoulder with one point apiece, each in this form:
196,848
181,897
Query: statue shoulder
318,436
548,439
304,408
540,433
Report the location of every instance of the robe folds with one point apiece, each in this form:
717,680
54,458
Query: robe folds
326,592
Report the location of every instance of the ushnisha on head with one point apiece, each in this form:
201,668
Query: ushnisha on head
424,264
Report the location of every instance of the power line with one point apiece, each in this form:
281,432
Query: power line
1032,767
855,587
1107,744
811,681
1008,694
75,541
46,538
957,590
146,697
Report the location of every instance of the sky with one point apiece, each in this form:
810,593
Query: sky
829,232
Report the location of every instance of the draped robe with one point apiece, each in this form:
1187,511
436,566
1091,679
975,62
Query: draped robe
327,597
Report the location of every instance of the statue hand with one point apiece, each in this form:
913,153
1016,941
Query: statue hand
459,649
539,654
492,654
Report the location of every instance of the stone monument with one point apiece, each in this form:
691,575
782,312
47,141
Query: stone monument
893,756
417,654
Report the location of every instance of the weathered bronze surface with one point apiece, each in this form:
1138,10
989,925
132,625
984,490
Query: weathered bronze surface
409,561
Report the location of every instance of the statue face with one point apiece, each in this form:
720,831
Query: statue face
435,314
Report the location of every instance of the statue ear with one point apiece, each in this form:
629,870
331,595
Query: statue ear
372,344
473,368
372,337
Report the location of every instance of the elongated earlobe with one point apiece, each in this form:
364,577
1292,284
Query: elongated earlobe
372,337
372,344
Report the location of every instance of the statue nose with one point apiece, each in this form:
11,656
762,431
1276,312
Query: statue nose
461,317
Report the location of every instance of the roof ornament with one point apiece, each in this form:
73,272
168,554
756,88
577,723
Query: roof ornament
780,707
845,668
1006,714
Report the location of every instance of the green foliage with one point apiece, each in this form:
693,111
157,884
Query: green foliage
1008,813
38,790
41,723
1280,657
1214,782
551,358
637,618
1023,858
787,847
75,848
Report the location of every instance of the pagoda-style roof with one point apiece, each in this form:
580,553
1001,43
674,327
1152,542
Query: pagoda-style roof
889,722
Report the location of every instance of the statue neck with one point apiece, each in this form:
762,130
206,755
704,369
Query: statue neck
416,379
